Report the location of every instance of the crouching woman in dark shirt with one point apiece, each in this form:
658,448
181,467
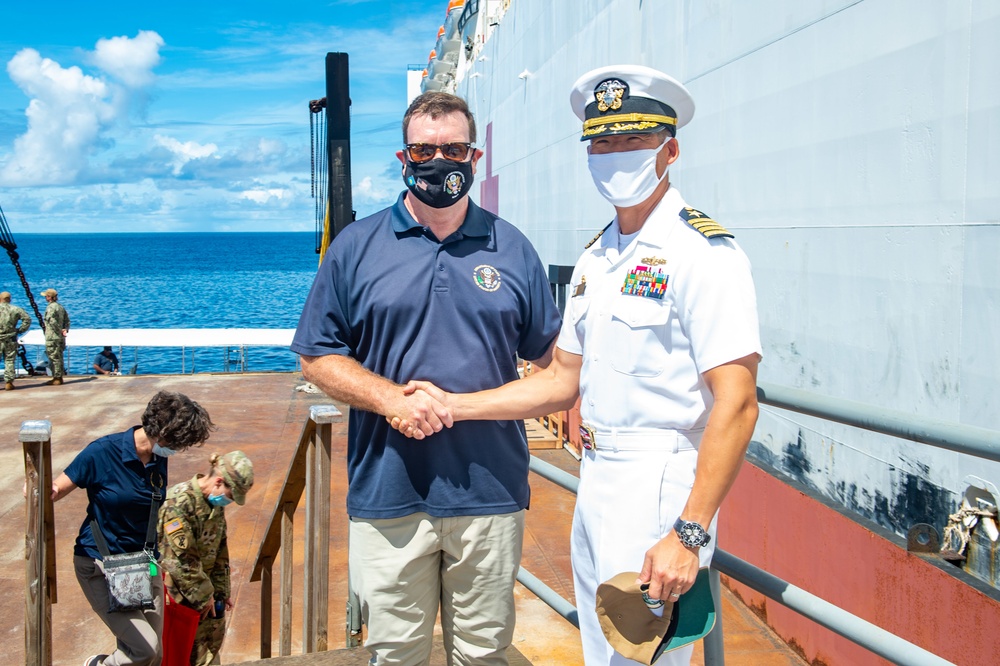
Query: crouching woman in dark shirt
120,473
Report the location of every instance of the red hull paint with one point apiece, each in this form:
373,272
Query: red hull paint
777,527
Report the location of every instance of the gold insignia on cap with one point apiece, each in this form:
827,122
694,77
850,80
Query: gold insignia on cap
704,225
608,94
625,122
653,261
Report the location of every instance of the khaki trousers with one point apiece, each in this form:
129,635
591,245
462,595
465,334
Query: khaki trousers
403,569
138,632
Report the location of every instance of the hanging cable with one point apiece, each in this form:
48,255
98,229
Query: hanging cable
317,164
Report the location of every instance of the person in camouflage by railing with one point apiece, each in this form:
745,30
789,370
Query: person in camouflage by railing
56,328
10,315
194,553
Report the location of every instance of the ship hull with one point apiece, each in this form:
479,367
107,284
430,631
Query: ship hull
851,147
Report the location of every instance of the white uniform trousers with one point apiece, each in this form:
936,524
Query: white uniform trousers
633,487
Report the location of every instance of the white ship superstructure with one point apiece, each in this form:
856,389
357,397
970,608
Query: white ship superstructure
852,148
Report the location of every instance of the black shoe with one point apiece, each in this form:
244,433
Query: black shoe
95,660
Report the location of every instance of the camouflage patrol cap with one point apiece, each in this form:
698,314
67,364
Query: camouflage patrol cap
5,296
50,292
237,471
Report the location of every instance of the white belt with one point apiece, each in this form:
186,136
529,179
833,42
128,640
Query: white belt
639,439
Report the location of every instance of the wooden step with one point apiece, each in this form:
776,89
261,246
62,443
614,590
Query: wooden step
540,437
360,657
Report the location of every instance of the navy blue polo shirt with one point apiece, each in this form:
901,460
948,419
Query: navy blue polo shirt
119,491
455,312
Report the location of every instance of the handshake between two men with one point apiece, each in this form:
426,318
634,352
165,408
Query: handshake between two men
425,409
429,410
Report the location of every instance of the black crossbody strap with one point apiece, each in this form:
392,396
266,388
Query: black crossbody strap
154,508
156,497
102,545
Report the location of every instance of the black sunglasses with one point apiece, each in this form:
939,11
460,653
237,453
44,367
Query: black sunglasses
455,151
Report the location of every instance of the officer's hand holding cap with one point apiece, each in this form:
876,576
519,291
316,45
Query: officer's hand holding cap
637,633
629,99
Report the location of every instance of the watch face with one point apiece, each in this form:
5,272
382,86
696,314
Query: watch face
691,534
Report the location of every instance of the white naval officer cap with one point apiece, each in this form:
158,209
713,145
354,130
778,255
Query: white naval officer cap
630,99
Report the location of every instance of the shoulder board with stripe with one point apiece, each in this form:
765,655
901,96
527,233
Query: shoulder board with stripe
599,234
704,225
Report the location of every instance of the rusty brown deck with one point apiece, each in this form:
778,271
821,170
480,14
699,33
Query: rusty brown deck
263,415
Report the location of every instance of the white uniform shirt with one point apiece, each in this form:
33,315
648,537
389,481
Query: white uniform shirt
644,352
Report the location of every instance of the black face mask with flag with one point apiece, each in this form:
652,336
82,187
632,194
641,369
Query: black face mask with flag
438,183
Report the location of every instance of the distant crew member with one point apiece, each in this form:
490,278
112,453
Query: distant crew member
56,328
10,315
194,549
662,338
106,363
433,287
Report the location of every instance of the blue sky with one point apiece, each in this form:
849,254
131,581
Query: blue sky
193,116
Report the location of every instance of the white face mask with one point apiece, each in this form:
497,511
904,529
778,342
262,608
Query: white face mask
626,178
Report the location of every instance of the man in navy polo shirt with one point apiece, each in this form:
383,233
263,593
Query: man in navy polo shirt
432,288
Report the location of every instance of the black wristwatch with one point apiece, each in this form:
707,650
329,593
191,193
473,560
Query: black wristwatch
691,534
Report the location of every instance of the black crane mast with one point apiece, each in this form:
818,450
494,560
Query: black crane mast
7,243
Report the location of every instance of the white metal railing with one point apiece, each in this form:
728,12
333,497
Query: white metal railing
851,627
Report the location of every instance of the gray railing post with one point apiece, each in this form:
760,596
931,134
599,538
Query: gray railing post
715,652
39,543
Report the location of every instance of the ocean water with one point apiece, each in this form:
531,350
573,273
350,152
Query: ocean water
168,280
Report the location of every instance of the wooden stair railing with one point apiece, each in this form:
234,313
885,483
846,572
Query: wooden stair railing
308,471
39,543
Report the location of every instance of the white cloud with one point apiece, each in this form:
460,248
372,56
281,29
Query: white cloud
263,196
369,193
185,152
131,61
66,114
71,114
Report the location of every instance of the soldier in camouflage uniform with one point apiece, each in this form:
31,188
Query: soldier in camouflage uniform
9,330
193,549
56,328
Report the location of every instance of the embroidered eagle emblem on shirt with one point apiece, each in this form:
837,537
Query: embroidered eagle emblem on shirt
487,277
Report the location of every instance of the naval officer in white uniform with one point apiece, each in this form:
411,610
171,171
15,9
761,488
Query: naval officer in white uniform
661,339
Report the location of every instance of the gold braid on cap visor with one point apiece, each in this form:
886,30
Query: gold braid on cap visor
625,122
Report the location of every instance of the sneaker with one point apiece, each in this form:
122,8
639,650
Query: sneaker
95,660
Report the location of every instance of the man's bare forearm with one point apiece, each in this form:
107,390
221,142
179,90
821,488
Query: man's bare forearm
727,435
549,390
344,379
